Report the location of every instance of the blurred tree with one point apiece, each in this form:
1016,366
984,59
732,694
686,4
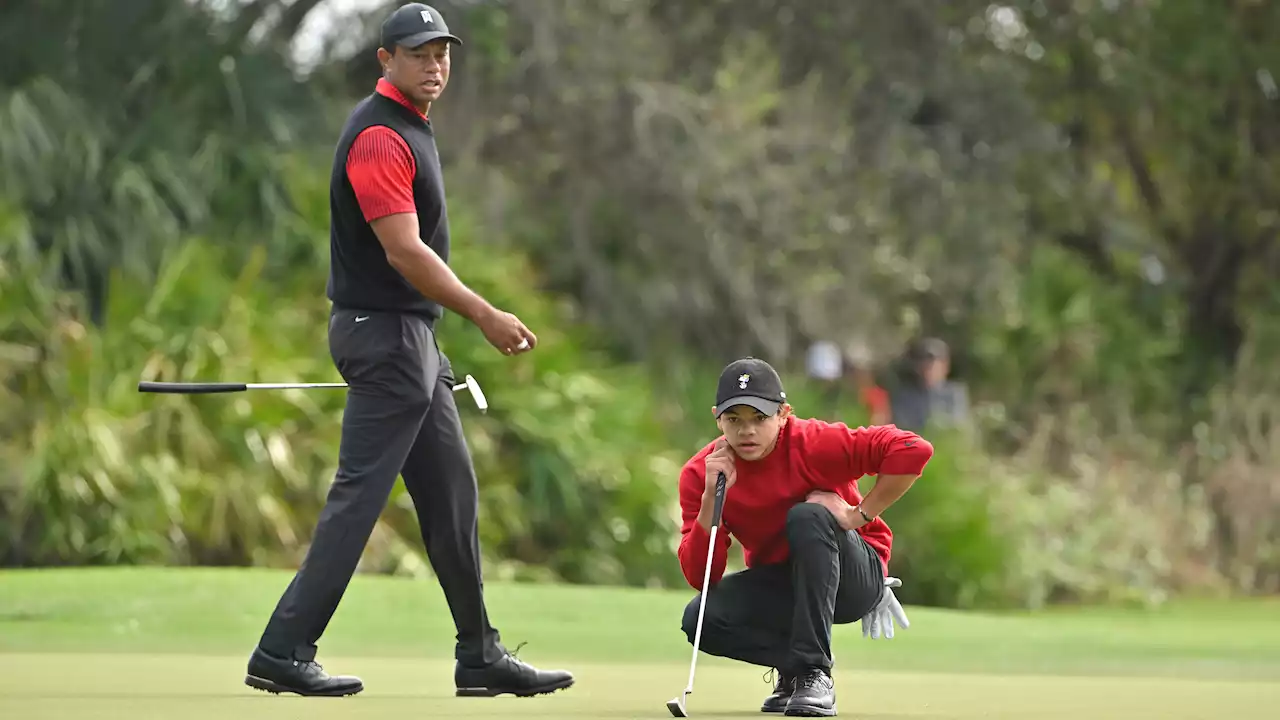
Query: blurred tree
145,122
1171,108
1078,195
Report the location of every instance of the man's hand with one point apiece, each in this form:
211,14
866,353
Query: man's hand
879,622
433,277
505,332
845,513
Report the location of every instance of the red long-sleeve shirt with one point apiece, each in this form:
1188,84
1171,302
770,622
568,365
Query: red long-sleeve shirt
810,455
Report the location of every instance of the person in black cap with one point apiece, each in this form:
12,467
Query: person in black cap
389,283
923,397
816,550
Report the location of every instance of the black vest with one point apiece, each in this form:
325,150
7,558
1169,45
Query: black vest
360,277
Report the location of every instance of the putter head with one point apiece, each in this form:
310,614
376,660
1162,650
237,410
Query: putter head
676,705
477,394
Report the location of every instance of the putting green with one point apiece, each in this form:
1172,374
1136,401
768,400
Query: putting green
146,643
138,686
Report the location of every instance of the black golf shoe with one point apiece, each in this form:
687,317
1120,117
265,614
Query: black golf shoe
782,689
303,677
814,695
508,676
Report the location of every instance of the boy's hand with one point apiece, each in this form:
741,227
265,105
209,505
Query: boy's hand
720,460
845,513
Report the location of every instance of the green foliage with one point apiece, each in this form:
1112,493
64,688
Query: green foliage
1117,532
110,475
950,547
1078,198
145,139
1067,340
977,531
574,468
577,471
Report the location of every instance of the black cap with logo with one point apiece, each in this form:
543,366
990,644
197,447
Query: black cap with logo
413,25
751,382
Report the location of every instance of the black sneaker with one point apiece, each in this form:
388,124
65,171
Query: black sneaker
814,695
508,676
303,677
782,689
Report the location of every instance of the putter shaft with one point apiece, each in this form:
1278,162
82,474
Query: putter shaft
676,705
207,388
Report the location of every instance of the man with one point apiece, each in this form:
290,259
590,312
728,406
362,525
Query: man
389,281
817,552
923,396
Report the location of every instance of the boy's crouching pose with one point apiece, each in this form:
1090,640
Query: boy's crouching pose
816,552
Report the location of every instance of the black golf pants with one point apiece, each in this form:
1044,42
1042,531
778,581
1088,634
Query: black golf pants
400,419
781,615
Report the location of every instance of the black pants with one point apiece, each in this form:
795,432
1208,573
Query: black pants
400,419
780,616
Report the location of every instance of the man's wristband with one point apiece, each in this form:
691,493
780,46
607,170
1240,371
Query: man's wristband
863,513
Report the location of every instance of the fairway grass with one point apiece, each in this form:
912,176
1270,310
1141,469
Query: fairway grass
149,643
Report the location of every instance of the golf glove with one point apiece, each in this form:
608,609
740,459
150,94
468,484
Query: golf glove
879,622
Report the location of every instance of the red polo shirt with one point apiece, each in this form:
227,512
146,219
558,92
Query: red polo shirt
380,165
810,455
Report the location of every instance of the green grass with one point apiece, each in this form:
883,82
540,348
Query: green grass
142,643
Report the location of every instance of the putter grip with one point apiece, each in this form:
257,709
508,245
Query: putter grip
722,484
190,388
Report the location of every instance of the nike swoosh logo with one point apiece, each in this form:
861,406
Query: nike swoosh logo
362,319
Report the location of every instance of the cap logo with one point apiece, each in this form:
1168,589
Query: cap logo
742,381
426,17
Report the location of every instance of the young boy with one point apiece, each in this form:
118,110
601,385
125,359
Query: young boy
817,552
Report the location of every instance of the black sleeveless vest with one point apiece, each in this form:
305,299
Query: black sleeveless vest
360,277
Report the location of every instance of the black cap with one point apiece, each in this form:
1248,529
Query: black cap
413,25
750,382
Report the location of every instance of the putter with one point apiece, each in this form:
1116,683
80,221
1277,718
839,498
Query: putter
677,704
205,388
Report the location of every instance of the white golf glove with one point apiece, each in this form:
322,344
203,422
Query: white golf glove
879,622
